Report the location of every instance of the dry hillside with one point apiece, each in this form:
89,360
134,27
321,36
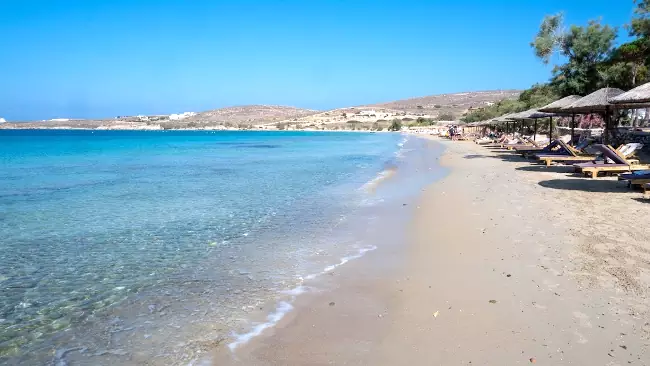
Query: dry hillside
251,114
456,103
269,116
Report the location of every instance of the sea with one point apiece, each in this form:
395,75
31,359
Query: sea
156,247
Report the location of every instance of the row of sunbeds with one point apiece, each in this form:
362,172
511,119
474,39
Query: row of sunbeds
586,158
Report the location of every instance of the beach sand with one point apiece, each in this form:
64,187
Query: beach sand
506,263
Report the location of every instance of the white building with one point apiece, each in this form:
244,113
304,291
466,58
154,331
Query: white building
368,113
183,115
2,120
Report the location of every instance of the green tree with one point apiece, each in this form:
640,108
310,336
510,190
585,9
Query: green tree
395,125
585,49
538,95
627,65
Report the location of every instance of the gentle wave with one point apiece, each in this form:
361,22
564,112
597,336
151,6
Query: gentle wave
285,306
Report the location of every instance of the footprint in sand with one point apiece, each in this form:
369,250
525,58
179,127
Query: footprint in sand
581,338
583,318
541,307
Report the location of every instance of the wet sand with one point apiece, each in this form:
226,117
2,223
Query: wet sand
506,263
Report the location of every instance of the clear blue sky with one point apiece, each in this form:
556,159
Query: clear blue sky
95,58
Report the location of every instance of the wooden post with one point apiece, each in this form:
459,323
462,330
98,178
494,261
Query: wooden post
573,127
535,132
606,138
550,128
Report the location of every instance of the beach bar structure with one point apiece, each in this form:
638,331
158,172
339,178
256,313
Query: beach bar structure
596,102
556,107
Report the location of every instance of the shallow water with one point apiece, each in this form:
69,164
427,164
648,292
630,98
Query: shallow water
131,247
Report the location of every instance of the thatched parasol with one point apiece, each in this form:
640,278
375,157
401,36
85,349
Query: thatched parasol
534,115
596,102
556,107
638,97
504,119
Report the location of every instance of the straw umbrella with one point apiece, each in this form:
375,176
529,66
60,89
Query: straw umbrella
596,102
503,119
556,107
638,97
531,114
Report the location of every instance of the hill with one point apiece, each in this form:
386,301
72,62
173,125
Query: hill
272,116
236,117
373,116
455,104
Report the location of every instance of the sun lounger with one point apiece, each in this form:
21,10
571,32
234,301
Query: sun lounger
551,148
646,190
636,178
619,165
570,155
528,143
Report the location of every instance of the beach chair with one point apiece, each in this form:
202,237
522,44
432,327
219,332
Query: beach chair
570,155
620,164
528,144
552,147
497,142
646,190
637,178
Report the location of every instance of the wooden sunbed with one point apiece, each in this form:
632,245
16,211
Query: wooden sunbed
620,165
639,178
646,190
528,144
571,155
551,148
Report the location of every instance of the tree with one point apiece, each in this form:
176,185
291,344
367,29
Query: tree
585,48
395,125
627,65
538,95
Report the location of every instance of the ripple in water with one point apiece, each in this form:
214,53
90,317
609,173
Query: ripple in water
132,247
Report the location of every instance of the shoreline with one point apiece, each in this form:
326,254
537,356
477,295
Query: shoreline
203,314
497,270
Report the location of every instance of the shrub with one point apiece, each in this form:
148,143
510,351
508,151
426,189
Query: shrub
395,125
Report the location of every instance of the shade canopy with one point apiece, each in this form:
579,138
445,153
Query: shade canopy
503,119
638,97
596,102
556,107
529,114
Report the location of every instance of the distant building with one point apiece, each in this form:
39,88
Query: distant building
142,118
2,120
183,115
60,119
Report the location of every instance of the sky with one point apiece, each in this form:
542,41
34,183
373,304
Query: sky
93,59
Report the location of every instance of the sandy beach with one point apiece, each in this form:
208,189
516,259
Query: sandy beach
506,263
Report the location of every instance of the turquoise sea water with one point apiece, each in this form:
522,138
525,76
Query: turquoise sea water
121,247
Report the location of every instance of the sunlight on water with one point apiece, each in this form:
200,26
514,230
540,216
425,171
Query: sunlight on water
154,246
